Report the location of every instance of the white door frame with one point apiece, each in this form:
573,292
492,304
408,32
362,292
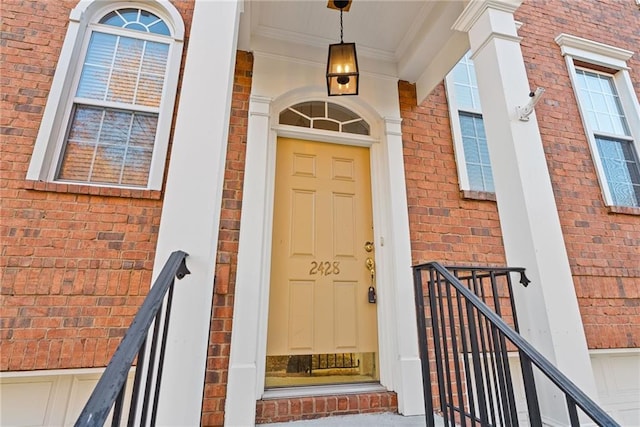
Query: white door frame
399,360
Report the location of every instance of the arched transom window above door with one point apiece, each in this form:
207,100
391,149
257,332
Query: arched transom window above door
325,116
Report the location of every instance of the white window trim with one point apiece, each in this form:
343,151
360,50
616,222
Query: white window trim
599,54
456,130
56,114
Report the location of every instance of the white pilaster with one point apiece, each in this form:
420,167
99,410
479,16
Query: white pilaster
191,211
548,308
251,291
397,248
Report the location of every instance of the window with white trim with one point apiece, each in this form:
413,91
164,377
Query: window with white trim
470,141
108,116
324,115
610,114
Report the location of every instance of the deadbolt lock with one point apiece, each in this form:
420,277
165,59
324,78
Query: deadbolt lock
368,246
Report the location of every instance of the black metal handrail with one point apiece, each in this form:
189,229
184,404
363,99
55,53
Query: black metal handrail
110,388
471,348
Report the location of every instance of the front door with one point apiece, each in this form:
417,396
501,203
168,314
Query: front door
322,315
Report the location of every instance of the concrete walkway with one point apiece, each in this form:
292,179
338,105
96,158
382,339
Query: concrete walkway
362,420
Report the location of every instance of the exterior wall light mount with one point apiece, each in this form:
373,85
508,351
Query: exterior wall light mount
525,111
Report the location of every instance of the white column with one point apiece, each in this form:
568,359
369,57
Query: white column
396,247
191,210
247,333
548,308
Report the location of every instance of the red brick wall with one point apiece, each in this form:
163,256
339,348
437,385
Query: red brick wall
603,247
444,226
76,260
220,335
307,408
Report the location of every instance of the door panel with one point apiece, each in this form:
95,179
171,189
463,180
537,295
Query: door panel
319,282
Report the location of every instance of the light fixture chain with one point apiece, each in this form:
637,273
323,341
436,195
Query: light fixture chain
341,28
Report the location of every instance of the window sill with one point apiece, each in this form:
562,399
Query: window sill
478,195
58,187
625,210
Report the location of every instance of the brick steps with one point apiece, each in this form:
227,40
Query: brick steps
311,407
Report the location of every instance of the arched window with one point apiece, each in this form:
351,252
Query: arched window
111,126
324,115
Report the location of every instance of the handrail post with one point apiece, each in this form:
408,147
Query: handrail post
113,380
423,348
489,336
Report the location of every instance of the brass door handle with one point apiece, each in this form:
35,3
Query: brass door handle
371,295
370,266
369,263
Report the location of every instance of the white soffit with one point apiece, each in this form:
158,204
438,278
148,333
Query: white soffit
398,38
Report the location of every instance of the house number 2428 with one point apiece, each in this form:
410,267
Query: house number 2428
324,268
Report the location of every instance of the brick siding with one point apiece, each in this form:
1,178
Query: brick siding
603,247
76,260
308,408
444,226
220,334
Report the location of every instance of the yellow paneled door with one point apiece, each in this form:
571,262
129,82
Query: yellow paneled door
320,281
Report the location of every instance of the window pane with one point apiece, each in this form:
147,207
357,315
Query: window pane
464,96
101,49
460,74
149,91
113,19
107,164
599,99
136,167
115,127
136,19
122,87
155,58
143,130
360,127
621,170
129,54
126,67
288,117
160,28
466,85
77,161
475,176
93,83
129,15
326,125
97,66
471,150
311,109
476,153
340,113
109,146
85,125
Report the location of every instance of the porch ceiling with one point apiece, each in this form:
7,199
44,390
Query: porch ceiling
407,39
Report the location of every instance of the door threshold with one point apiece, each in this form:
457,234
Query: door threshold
323,390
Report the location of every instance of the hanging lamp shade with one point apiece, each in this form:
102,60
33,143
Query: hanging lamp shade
342,69
343,76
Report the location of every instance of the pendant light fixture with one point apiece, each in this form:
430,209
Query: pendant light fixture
342,65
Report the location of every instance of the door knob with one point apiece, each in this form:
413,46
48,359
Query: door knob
371,295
